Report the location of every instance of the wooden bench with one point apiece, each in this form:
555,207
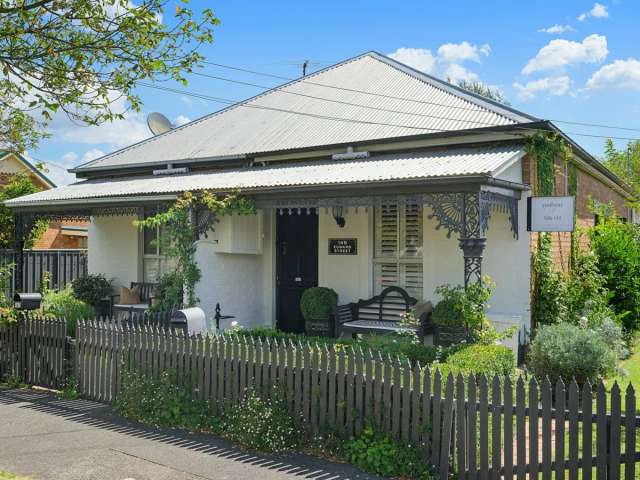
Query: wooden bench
380,314
146,295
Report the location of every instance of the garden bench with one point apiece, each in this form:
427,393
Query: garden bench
379,314
146,296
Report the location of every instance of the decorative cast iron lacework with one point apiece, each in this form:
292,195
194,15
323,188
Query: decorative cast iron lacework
451,210
492,201
26,220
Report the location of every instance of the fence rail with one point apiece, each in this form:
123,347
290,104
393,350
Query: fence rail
62,265
469,427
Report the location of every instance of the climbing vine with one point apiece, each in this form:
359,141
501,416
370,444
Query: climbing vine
546,147
572,189
181,229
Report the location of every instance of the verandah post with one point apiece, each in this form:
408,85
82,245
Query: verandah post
18,246
471,242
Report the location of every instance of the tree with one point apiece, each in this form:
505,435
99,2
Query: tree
85,58
625,164
20,184
483,90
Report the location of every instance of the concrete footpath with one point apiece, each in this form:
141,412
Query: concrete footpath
53,439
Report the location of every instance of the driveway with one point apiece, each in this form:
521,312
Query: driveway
52,439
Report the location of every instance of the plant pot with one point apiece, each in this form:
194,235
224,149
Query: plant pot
319,326
103,308
444,336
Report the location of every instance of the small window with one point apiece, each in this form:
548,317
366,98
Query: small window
398,246
154,261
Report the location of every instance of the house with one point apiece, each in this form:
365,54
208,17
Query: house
365,174
59,235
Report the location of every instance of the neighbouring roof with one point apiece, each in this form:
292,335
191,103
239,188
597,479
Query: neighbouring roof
457,162
30,167
398,101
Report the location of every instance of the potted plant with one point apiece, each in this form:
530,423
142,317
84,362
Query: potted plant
460,315
318,305
94,289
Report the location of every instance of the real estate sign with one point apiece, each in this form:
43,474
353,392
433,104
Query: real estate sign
551,214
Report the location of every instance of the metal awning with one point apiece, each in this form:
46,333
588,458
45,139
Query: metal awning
457,164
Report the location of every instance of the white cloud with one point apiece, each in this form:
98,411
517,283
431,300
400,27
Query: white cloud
621,74
447,63
598,11
92,155
186,100
560,53
118,133
460,52
556,86
69,159
557,29
419,58
455,73
181,120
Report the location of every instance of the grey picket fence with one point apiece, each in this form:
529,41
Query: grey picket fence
63,267
467,427
35,350
473,428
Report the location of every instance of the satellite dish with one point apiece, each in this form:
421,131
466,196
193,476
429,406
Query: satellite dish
158,123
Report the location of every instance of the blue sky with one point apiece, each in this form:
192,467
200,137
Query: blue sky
585,67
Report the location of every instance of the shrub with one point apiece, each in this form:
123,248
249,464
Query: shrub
64,304
463,307
481,359
567,351
169,292
162,402
617,247
262,422
394,345
318,302
447,313
611,333
587,295
91,288
379,454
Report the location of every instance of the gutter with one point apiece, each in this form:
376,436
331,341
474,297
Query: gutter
86,202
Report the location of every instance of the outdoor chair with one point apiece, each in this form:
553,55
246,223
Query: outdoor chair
380,314
146,297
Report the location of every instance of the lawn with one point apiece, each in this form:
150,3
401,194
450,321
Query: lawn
11,476
632,368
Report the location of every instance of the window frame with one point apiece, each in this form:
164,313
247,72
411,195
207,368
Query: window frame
399,260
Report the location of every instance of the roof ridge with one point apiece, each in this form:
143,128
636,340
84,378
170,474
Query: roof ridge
484,102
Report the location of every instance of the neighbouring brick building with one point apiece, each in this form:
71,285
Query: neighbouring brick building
59,235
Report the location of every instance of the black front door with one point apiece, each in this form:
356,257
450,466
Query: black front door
296,265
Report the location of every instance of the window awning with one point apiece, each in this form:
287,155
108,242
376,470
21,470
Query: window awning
456,163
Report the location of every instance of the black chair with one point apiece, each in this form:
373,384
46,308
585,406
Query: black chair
379,314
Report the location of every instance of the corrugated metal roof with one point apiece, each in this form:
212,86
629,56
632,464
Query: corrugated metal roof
308,113
383,168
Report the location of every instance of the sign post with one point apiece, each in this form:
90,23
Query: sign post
551,214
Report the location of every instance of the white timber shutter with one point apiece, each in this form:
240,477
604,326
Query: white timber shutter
398,246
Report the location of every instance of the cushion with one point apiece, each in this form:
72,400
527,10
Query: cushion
129,296
423,307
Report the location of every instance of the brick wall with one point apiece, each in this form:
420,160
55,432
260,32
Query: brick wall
589,188
53,238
